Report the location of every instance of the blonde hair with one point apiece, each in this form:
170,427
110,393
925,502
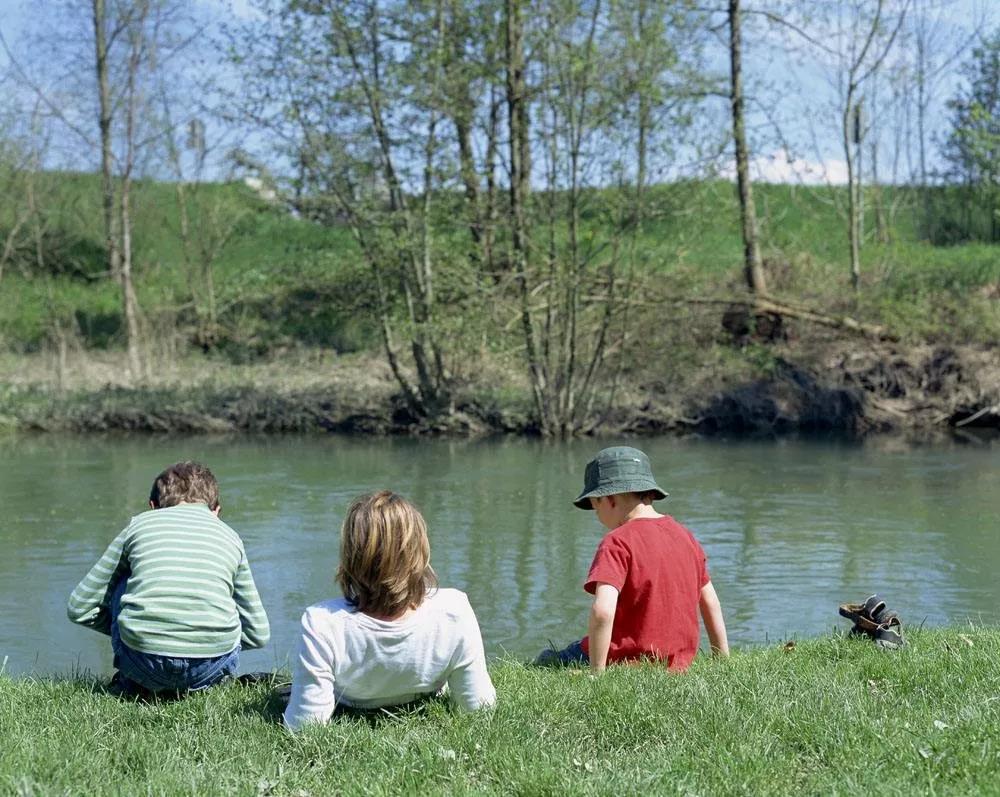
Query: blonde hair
384,555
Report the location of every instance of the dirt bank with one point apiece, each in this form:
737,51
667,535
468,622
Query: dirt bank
837,388
857,391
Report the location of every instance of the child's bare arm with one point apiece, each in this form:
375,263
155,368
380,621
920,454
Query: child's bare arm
711,615
602,618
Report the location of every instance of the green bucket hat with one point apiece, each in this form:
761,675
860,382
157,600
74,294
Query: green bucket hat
620,469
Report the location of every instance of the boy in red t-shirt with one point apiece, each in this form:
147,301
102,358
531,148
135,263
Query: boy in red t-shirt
648,577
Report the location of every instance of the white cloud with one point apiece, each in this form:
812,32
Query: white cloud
781,166
243,9
239,9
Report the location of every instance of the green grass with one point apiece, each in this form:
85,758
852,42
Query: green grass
272,267
830,716
284,281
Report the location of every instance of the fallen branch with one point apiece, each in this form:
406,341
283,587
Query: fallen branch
766,304
978,415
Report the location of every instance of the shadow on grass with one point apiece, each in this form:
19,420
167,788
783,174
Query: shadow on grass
265,698
270,692
269,701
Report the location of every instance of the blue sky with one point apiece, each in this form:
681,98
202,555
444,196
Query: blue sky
793,120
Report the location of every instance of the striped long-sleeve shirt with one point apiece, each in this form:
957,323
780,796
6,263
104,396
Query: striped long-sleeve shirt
190,592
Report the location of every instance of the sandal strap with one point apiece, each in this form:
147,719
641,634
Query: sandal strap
873,607
889,636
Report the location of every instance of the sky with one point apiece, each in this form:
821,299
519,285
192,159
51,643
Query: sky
792,119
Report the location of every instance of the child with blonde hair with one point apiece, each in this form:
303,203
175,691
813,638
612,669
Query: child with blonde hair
394,637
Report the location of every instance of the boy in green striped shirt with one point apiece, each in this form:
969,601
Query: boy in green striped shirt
174,590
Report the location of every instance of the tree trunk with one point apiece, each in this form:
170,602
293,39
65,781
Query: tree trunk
417,287
470,180
104,123
852,190
130,302
878,198
752,267
577,121
921,44
517,121
116,236
489,213
461,109
105,117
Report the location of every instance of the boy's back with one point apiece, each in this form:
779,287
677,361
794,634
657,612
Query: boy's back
659,570
189,591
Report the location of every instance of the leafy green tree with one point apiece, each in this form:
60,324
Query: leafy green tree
394,114
364,98
972,149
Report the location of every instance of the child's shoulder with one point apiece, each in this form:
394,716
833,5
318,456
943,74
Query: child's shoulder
183,518
638,525
327,619
448,603
195,524
329,607
636,532
448,596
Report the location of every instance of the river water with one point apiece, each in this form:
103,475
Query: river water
791,529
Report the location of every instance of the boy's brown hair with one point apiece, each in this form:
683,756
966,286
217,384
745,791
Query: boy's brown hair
384,555
185,483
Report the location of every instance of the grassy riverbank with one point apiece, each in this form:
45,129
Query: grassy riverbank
294,345
834,387
829,715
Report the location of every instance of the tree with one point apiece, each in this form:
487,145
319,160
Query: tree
937,45
867,40
122,24
753,269
393,114
931,44
206,219
852,39
471,71
355,93
22,220
972,149
101,63
603,87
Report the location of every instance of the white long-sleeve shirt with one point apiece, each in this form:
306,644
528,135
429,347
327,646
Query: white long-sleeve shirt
346,656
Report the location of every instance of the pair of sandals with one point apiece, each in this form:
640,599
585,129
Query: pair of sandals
872,619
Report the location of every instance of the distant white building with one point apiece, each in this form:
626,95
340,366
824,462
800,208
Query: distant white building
258,186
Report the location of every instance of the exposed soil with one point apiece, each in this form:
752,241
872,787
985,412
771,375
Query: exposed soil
857,391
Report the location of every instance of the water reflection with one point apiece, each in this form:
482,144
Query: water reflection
791,529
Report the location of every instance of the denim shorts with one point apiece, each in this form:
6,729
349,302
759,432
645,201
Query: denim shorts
166,673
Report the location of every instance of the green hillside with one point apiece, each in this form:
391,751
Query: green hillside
283,281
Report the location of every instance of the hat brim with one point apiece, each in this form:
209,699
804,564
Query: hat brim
583,502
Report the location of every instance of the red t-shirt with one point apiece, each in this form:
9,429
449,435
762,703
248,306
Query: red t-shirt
658,568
